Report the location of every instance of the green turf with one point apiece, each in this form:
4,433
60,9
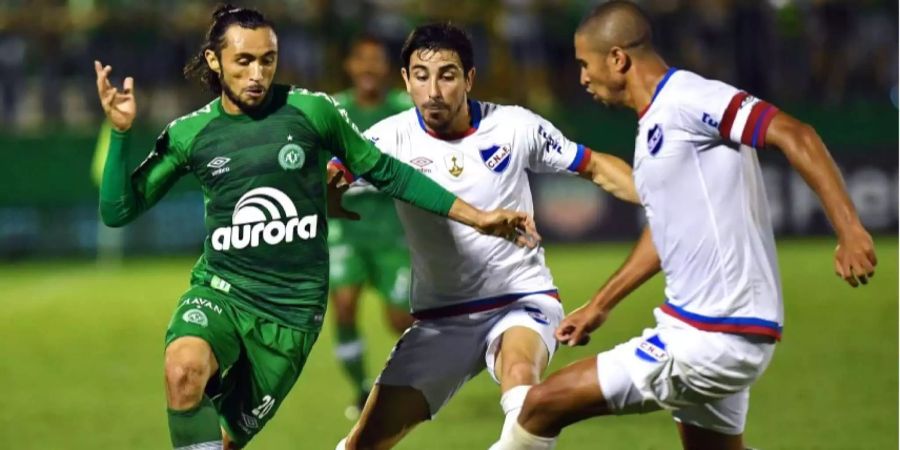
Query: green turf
81,361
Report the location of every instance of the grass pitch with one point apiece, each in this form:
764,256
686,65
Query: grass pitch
81,361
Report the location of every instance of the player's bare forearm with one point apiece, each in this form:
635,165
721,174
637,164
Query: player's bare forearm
613,175
515,226
641,265
808,155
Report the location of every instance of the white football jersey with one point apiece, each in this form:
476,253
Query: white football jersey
699,180
455,269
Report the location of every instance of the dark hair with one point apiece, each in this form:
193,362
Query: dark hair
223,17
439,36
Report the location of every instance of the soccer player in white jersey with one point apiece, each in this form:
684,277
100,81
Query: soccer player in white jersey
479,303
709,232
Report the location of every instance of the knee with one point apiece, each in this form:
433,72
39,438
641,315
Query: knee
186,371
344,310
540,401
522,372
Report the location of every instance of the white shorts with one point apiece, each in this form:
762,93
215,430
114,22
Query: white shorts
703,377
437,356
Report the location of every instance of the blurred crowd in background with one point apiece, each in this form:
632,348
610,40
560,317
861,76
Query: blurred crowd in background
828,53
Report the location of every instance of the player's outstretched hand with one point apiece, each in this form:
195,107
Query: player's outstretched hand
335,193
518,227
119,106
854,257
576,328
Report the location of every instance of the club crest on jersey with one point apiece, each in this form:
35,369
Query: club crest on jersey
291,156
195,316
655,139
455,163
496,157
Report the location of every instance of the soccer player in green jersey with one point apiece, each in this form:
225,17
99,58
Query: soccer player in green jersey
240,335
372,250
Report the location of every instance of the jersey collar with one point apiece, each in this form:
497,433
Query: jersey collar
659,88
474,112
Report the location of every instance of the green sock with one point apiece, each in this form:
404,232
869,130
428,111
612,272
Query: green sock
350,352
196,428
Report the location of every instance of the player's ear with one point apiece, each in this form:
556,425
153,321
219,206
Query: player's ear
618,60
470,79
405,76
212,61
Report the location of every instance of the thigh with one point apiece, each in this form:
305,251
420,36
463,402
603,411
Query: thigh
436,357
206,314
539,313
722,418
272,360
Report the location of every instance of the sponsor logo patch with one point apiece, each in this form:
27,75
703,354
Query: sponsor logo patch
264,214
218,165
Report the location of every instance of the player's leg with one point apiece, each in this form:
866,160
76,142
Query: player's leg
429,363
199,341
519,348
391,277
716,425
390,413
274,356
347,275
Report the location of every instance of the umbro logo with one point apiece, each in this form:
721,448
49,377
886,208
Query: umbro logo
218,165
421,163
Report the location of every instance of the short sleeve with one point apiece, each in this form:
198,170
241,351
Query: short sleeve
720,111
550,151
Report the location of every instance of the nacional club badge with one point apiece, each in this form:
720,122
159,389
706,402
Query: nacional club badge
291,156
655,139
454,162
496,157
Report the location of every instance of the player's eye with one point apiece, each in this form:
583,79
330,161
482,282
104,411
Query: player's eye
243,61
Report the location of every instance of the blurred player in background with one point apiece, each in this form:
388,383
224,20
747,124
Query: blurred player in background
239,337
479,302
709,231
372,250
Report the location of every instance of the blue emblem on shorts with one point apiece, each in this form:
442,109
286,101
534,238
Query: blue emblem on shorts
496,157
652,350
537,315
655,139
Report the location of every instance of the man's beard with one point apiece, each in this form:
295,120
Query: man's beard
444,126
235,98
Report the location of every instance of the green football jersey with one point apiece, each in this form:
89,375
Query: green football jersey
379,217
264,186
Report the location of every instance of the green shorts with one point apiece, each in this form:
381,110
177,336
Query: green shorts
259,360
386,269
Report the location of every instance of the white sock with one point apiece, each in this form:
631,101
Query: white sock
520,439
511,402
341,445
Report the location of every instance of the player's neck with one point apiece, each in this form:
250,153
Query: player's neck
644,80
458,127
369,98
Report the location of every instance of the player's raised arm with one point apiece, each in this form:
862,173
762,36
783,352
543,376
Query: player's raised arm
612,174
640,266
854,259
123,197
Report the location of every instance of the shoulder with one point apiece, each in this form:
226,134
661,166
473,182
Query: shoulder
399,123
509,114
688,89
311,101
184,129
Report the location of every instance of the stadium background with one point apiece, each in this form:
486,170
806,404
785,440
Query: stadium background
84,308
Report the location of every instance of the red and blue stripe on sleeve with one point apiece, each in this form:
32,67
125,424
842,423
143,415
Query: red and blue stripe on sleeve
746,120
